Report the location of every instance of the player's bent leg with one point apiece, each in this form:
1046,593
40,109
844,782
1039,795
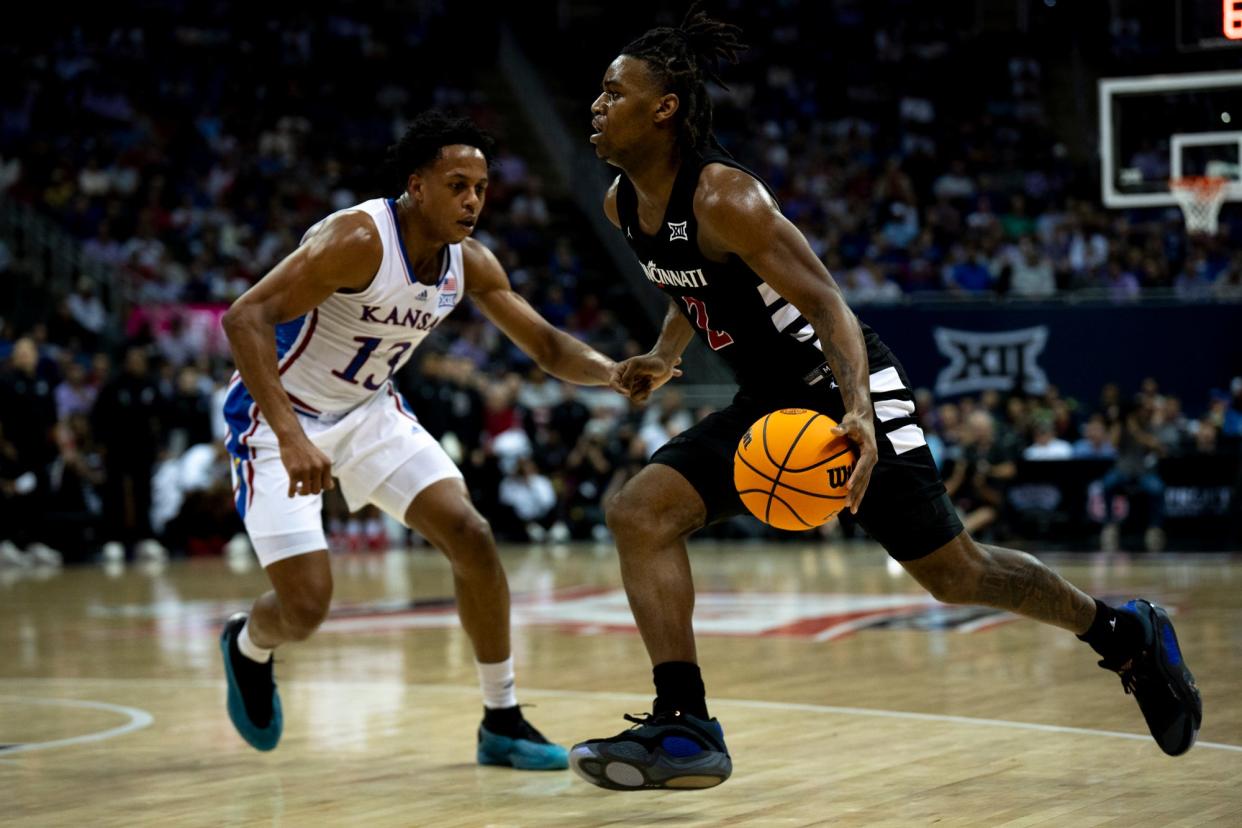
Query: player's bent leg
287,536
677,746
1136,640
650,519
298,603
443,513
965,572
290,612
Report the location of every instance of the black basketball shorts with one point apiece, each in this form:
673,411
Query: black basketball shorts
905,509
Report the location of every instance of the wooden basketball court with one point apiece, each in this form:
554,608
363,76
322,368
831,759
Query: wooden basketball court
847,697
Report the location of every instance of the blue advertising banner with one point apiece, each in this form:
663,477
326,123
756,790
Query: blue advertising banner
963,350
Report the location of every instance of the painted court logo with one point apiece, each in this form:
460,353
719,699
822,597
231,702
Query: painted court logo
991,361
585,610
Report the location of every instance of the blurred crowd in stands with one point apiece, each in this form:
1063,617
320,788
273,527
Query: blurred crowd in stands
194,180
980,444
190,182
919,152
127,460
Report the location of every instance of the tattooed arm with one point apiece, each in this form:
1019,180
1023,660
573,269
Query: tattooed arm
738,217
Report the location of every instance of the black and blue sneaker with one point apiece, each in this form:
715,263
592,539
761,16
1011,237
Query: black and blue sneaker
669,749
514,742
1159,680
253,703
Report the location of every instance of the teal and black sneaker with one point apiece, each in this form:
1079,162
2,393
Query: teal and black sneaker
254,704
1158,678
522,747
663,750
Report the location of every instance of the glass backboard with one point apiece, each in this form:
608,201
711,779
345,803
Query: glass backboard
1157,127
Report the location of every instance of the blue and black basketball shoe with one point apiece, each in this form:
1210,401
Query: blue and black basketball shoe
1159,680
519,745
253,703
669,749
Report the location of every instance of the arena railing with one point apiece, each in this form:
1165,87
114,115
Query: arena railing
55,258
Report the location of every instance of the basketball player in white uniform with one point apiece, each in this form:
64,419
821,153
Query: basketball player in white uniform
316,343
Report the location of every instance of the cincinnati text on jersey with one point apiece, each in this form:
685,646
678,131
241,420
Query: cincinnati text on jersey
677,278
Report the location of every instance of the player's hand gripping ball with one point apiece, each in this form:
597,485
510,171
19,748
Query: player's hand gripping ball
791,470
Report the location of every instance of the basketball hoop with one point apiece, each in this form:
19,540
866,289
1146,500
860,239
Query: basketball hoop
1200,197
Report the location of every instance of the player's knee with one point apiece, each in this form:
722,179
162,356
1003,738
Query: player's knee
469,543
954,574
303,611
639,523
952,586
623,513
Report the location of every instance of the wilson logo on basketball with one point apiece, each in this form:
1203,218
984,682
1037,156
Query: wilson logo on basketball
780,477
837,475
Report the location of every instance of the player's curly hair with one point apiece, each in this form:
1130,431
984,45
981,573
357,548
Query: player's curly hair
430,132
683,59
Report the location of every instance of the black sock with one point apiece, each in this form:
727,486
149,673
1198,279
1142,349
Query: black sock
1114,634
679,686
503,721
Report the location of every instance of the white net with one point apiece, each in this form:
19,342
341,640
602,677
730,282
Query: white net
1200,198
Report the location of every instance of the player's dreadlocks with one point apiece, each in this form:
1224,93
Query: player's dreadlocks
683,59
429,133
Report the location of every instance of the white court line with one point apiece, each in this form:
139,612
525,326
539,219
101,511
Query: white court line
643,699
138,719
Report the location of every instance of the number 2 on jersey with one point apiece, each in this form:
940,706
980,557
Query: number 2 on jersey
698,310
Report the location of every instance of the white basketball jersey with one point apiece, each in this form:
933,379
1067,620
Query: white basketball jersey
342,353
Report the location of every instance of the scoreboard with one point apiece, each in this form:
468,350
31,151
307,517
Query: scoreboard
1208,24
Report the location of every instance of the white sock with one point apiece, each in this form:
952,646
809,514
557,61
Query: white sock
497,683
248,648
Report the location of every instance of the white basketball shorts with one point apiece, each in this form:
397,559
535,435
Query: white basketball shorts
377,450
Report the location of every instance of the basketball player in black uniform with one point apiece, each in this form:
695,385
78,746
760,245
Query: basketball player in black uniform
741,277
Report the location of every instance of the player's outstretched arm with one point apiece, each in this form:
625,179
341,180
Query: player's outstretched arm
554,351
737,216
344,252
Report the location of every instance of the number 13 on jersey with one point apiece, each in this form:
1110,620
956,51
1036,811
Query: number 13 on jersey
698,312
368,345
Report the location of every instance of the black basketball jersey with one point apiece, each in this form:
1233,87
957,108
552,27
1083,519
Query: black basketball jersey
764,339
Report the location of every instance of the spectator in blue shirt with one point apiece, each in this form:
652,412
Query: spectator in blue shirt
1094,443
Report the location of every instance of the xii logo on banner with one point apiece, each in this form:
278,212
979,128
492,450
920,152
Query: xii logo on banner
996,360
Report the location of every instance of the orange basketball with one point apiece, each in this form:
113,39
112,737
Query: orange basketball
790,469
